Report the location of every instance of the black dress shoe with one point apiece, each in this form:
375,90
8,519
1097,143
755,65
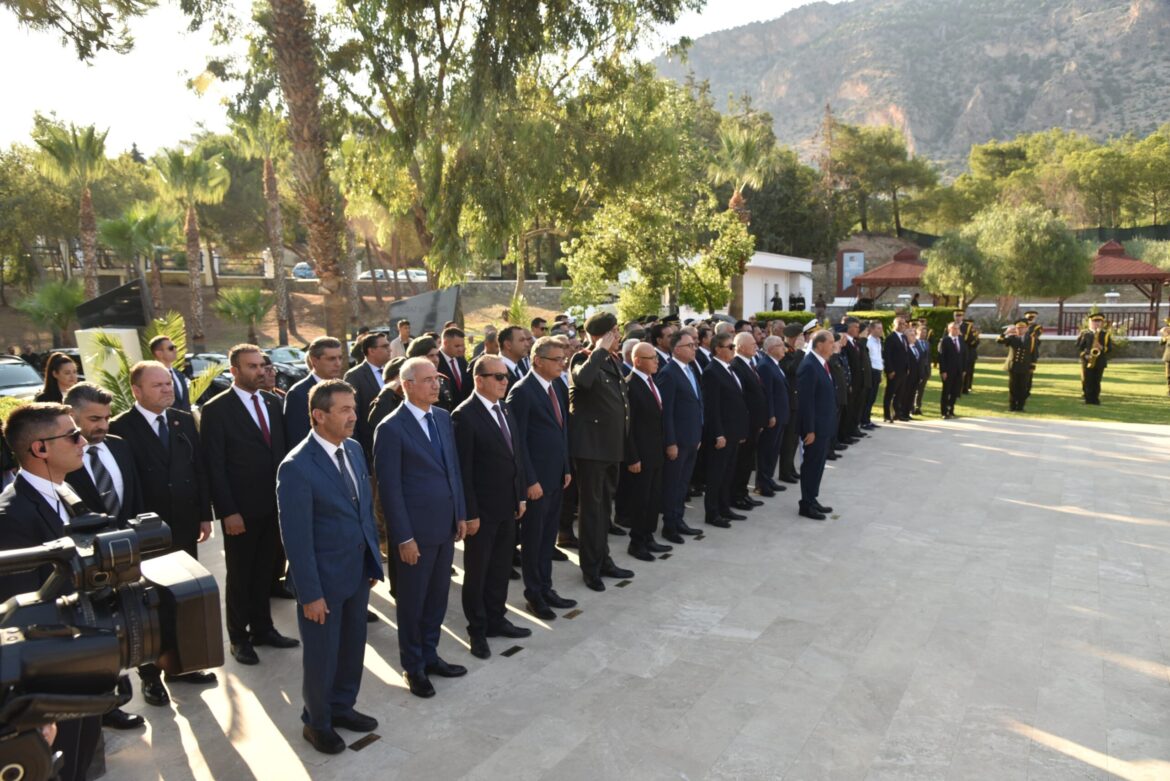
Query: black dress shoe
654,546
640,553
480,648
198,678
687,530
789,479
722,523
674,537
420,685
514,575
540,610
120,719
821,508
244,653
508,629
840,446
516,560
445,669
325,742
743,504
371,617
809,512
694,491
154,692
612,570
559,555
553,599
733,517
765,490
275,639
568,542
356,722
832,457
594,582
616,530
282,592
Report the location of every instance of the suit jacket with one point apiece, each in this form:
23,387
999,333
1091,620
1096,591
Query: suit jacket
422,497
702,358
131,502
386,402
599,409
818,399
466,383
174,481
296,411
753,394
494,483
682,405
330,541
644,442
951,359
895,355
852,355
838,370
26,520
241,467
790,365
724,411
775,390
182,391
546,442
366,389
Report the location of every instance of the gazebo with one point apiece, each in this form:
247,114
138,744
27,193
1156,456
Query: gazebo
905,270
1112,266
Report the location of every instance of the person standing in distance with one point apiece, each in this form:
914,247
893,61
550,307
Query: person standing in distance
817,421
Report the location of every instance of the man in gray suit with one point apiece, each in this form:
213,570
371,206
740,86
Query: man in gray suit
327,520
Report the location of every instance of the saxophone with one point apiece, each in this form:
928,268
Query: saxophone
1094,351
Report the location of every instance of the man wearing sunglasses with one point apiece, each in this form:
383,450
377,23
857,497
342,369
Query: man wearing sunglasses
48,446
164,351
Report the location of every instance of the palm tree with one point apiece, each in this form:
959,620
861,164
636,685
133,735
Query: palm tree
53,306
135,234
190,178
746,157
75,158
248,305
266,139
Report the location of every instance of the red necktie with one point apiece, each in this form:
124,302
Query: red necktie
828,371
552,396
260,417
455,374
654,390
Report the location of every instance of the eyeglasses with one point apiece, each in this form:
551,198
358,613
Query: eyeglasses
169,348
497,376
73,436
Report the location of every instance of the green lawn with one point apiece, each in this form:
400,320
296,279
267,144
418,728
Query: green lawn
1130,393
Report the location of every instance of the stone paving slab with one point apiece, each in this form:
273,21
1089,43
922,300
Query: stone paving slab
990,600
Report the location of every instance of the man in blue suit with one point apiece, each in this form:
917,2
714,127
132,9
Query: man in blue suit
817,422
540,404
679,382
776,392
326,511
326,362
421,490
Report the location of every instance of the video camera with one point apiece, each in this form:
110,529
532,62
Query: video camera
104,608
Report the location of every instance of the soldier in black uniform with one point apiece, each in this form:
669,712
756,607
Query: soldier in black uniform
1019,363
1032,337
599,422
970,336
1094,346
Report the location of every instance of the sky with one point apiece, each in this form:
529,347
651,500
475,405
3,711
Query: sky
142,96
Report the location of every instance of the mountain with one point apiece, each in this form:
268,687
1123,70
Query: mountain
948,73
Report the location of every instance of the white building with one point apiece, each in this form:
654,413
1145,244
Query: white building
767,274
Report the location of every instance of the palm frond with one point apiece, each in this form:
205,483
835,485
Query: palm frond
203,380
172,326
117,383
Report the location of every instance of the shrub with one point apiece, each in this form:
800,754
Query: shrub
786,316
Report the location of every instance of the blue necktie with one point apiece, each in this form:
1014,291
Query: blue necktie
345,478
164,436
433,430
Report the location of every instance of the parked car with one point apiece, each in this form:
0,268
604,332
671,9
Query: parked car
18,379
416,275
286,374
293,356
304,270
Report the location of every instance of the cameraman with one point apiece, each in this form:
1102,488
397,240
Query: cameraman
48,446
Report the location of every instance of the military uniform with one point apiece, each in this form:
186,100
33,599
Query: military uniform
1032,337
970,336
1093,367
1019,366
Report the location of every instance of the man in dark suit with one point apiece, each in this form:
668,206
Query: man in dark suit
645,455
725,427
106,483
327,521
744,367
776,393
326,361
896,363
453,365
47,445
817,421
169,464
421,490
851,353
243,443
599,420
366,381
540,405
703,347
163,350
491,462
951,361
790,439
513,349
679,383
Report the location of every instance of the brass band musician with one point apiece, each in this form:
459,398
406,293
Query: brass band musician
1018,364
1094,346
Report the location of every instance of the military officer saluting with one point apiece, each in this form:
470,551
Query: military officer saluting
1094,346
1032,336
1019,363
970,336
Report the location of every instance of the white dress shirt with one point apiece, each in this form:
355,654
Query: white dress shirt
420,417
151,417
727,366
111,465
331,451
377,372
875,353
246,397
48,490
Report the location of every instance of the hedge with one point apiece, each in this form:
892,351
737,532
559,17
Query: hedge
885,316
787,316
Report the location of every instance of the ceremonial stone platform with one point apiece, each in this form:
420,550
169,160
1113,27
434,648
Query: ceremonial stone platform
990,600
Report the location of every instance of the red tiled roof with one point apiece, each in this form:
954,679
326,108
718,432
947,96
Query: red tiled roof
1113,267
908,253
895,273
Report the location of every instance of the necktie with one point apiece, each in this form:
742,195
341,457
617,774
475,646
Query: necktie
260,417
345,478
503,425
456,374
103,482
433,430
691,379
164,436
738,384
556,405
654,390
828,371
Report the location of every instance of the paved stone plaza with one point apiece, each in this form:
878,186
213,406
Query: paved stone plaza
990,600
